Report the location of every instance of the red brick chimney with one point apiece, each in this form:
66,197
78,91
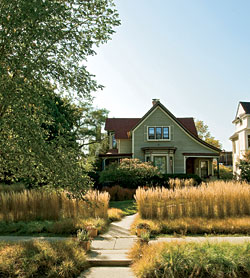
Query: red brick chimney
155,100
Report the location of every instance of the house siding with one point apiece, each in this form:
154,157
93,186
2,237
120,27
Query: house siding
179,139
125,146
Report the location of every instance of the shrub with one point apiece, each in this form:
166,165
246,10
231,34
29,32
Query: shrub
41,259
118,193
213,200
244,166
60,227
226,173
130,173
183,260
17,187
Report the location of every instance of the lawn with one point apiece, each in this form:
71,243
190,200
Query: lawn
128,207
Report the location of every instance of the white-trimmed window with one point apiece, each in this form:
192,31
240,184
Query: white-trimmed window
159,133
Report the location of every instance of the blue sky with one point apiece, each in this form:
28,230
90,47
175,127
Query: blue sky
194,55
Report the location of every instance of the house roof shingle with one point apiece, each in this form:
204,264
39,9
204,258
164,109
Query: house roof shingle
121,126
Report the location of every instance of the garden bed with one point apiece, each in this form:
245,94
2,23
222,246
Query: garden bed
65,259
184,260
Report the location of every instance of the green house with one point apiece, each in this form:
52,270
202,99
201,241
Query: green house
172,144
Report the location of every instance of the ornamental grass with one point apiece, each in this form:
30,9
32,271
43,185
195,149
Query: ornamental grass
65,259
191,260
30,205
217,199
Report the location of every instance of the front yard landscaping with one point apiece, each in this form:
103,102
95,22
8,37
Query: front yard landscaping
212,208
185,260
64,259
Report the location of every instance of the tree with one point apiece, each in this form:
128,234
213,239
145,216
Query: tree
204,134
244,166
43,47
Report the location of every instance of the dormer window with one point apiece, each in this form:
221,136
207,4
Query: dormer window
159,133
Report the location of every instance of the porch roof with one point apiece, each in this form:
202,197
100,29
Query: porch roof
201,154
115,155
159,148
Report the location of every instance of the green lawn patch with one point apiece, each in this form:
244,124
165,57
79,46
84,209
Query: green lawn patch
64,227
128,206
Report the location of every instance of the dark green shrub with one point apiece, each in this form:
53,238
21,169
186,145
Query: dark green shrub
130,173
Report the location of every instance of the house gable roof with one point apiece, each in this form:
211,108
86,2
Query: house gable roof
122,126
246,106
242,109
181,124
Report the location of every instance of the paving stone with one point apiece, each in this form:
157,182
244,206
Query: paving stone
108,272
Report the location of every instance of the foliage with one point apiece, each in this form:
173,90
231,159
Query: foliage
17,187
226,173
204,134
213,200
63,259
83,235
32,205
196,225
128,207
130,173
203,260
118,193
63,227
244,166
43,47
145,236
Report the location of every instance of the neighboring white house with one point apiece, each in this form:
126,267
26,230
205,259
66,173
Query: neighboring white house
241,138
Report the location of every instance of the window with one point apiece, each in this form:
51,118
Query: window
151,133
248,139
158,133
114,144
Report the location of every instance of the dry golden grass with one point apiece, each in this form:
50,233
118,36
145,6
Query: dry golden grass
197,225
115,214
217,199
65,259
191,260
42,205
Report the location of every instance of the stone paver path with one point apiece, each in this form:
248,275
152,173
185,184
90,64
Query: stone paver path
108,272
108,255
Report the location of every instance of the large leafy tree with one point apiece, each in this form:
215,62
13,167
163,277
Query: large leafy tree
204,134
43,47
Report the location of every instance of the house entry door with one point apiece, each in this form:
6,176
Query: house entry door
204,169
160,163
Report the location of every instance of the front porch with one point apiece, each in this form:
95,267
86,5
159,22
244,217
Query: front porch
201,164
112,156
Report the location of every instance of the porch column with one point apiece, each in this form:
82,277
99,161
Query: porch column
104,164
185,164
218,168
